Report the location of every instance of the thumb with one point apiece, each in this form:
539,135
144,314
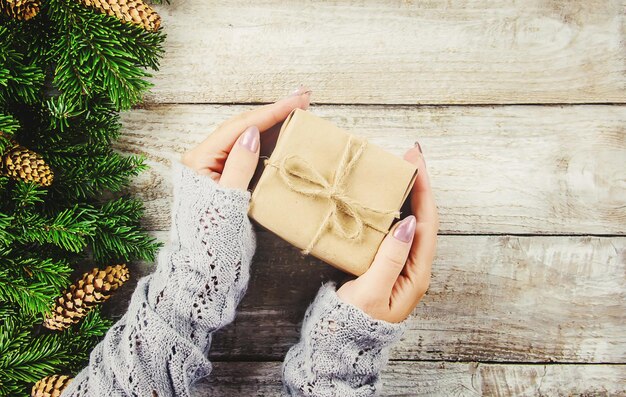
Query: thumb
391,256
242,160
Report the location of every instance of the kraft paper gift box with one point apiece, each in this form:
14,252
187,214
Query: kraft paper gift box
329,192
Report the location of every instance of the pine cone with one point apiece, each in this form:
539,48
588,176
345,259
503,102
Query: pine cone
24,164
50,386
133,11
93,288
20,9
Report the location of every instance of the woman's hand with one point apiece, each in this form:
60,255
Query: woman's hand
400,273
231,153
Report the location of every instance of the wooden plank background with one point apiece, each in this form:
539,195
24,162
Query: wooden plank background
504,169
394,52
521,110
439,379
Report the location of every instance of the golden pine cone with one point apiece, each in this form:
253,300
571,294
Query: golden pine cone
93,288
129,11
20,9
24,164
50,386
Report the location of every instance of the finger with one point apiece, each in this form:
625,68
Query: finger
390,258
422,198
264,117
414,280
421,256
242,160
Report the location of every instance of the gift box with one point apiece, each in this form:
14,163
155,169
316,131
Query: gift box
330,193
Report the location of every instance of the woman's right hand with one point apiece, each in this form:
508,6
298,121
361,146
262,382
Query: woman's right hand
400,273
230,154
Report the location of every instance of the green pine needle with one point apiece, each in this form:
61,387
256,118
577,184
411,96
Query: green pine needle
32,298
119,235
6,236
97,54
18,78
69,229
64,77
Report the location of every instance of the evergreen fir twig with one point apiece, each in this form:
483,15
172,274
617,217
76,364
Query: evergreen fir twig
18,79
25,360
64,76
97,54
69,229
119,235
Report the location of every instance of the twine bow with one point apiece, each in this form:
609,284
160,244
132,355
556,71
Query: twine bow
293,168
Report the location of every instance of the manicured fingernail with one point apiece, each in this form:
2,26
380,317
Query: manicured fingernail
405,229
301,91
250,139
417,144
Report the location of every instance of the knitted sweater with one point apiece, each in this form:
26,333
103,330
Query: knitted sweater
159,347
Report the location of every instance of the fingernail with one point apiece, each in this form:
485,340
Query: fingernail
405,229
419,147
250,139
300,91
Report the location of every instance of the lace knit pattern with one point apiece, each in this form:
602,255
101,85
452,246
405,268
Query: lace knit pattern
341,351
160,346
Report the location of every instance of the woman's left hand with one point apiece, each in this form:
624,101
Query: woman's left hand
400,273
231,153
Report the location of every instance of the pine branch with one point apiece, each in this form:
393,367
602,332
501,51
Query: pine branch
4,181
101,125
31,266
30,282
63,78
26,358
86,337
26,194
8,125
32,361
61,111
6,235
14,332
69,229
119,235
89,174
94,325
18,78
95,54
93,128
7,310
32,298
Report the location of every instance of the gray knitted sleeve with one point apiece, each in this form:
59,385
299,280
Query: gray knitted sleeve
159,346
341,350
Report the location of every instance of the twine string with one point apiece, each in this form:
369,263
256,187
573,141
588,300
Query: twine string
295,168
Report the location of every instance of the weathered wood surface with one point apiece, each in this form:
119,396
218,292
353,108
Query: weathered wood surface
492,298
387,52
511,169
437,378
516,302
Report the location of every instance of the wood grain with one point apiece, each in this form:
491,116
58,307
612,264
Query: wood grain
387,52
518,302
505,169
437,378
492,298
